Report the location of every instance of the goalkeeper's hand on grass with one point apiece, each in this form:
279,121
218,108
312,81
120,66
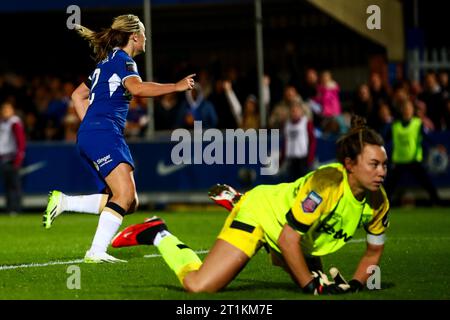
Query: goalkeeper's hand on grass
352,286
320,284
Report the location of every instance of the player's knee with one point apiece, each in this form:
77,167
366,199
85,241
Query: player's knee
134,205
194,285
126,197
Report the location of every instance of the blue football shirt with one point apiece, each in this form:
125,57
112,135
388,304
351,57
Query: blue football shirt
108,97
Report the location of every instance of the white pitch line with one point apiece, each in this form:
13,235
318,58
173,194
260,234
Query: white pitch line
52,263
357,240
45,264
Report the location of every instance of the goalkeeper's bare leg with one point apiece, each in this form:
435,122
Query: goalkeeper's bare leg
219,268
222,264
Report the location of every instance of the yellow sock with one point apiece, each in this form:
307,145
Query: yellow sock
180,258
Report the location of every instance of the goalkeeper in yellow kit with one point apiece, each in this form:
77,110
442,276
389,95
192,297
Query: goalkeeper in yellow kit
298,222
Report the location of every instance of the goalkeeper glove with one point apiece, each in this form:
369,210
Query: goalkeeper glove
315,286
321,285
351,286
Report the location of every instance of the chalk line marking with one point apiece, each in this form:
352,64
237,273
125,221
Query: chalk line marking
53,263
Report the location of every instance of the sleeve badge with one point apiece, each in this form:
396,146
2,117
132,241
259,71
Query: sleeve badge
311,202
131,66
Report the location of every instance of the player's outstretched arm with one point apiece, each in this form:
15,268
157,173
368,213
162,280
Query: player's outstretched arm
316,283
289,243
152,89
371,257
80,98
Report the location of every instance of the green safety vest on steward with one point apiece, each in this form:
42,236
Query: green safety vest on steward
407,141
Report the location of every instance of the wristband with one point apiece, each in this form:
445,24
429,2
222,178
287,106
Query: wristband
355,285
312,286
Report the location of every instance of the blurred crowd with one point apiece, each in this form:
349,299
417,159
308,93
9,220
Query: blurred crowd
44,104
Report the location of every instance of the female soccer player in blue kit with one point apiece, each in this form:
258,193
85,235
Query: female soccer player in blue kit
102,105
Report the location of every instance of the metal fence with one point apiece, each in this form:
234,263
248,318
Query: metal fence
421,61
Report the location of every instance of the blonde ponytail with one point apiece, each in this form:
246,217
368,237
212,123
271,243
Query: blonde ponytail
117,35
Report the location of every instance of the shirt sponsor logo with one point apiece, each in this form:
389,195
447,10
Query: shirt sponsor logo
105,160
311,202
340,234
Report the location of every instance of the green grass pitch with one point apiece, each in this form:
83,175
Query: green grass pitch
415,264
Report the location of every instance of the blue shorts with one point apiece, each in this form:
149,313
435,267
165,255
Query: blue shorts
102,151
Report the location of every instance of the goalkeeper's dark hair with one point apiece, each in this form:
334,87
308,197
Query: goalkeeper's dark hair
117,35
352,144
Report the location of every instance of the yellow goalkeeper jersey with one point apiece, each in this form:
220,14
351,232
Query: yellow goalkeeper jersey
320,206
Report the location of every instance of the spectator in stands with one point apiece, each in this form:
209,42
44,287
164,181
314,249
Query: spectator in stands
332,121
40,100
378,90
280,113
32,131
308,90
137,119
421,111
17,93
415,90
399,97
57,109
432,96
71,123
266,92
383,120
407,153
300,142
204,79
328,95
197,108
166,111
363,105
443,82
248,116
226,119
12,154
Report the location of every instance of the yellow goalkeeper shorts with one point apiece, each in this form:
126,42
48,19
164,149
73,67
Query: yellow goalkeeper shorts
241,230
